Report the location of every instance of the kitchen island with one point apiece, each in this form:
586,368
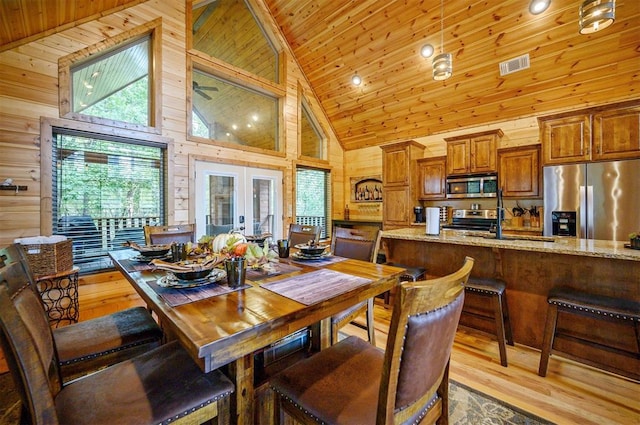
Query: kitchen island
530,269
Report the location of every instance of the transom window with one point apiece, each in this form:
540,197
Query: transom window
312,139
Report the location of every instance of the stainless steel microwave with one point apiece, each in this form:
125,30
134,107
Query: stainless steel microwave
477,186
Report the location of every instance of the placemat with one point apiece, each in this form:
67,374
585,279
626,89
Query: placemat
316,286
278,269
178,296
324,261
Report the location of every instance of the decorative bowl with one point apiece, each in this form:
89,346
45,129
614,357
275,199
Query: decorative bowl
193,275
153,250
311,249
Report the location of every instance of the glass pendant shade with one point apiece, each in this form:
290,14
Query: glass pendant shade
596,15
442,66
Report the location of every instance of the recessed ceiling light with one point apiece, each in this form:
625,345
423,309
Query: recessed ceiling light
426,51
536,7
356,80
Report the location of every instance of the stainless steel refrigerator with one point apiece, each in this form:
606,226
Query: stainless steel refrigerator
604,195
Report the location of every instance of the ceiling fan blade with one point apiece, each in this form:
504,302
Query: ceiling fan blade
208,88
203,94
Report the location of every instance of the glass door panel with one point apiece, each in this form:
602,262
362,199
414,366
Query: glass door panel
234,197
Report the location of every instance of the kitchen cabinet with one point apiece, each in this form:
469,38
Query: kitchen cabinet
472,153
431,178
399,182
616,134
603,133
519,172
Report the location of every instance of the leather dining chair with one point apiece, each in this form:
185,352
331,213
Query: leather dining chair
353,382
90,345
302,234
179,233
160,386
352,244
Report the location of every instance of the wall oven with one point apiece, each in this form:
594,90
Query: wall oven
476,186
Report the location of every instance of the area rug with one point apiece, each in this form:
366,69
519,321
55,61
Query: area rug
469,407
466,407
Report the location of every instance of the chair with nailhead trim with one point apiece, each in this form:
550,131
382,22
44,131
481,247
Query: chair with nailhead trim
355,383
574,303
162,386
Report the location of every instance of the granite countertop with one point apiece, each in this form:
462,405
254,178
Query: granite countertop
560,245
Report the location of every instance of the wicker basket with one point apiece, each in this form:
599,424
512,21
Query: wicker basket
46,259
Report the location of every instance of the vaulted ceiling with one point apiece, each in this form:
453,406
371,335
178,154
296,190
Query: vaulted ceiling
381,39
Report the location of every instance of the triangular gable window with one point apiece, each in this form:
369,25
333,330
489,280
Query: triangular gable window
229,31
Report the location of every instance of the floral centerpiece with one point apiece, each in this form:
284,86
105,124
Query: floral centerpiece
235,245
634,240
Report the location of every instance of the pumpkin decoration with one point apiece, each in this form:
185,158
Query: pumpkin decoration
226,241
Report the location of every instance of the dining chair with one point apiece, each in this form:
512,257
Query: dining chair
302,234
160,386
179,233
349,244
90,345
353,382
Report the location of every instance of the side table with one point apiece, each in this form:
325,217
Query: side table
59,293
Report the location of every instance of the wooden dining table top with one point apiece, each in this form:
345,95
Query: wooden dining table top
223,328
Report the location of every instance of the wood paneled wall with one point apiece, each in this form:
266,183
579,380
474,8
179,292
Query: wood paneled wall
29,91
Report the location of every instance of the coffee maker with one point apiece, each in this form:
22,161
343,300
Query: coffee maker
419,212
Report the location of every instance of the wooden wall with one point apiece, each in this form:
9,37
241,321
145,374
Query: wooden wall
29,91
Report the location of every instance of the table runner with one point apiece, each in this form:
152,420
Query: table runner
316,286
179,296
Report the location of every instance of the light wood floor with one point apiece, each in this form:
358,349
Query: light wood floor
571,393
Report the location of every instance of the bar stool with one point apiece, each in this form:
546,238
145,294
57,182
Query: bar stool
412,273
600,307
494,289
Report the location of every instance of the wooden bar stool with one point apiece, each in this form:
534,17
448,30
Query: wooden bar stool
411,274
494,289
579,303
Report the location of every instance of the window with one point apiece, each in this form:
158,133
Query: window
228,112
104,190
313,198
235,93
115,85
311,136
112,82
228,30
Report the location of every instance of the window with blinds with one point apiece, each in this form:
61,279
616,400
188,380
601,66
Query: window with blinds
105,189
313,198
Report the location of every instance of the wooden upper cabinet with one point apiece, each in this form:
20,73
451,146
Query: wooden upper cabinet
616,134
473,153
566,139
605,133
399,182
432,173
519,172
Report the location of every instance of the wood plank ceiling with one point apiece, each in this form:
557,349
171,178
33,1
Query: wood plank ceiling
381,39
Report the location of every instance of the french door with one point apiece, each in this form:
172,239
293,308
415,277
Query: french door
235,197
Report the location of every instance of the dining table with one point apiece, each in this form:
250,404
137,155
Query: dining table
223,327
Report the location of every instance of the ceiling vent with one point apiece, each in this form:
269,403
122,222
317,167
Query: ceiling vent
514,65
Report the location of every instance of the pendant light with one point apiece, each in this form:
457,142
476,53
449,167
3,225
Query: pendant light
596,15
443,63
